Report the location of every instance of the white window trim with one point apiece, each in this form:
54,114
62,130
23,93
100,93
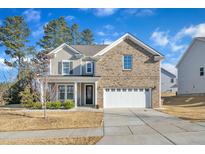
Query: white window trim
65,97
62,66
91,67
125,69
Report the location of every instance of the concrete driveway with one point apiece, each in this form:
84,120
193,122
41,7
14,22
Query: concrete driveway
147,126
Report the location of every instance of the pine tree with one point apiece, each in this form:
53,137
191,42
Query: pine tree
75,34
56,32
14,35
87,37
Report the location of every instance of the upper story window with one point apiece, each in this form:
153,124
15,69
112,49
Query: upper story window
89,67
127,62
201,71
67,67
172,80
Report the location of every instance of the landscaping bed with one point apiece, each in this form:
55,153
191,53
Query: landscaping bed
50,141
15,120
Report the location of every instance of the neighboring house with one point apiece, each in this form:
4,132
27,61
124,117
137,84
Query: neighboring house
168,81
125,73
191,67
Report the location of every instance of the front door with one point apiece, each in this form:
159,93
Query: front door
89,94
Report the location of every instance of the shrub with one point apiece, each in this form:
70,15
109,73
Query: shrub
26,97
68,104
37,105
56,105
49,105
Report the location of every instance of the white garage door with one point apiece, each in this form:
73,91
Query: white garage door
126,97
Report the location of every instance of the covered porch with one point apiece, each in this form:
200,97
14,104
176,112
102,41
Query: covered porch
81,89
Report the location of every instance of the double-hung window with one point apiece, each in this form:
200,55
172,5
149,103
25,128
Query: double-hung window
67,67
89,67
127,62
61,92
70,92
65,92
201,71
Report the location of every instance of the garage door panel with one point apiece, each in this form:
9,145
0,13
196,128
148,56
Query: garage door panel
114,98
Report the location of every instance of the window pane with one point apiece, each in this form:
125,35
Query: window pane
66,68
89,67
127,62
71,68
70,92
201,71
61,92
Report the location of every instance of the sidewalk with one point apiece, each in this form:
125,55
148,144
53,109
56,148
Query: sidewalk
82,132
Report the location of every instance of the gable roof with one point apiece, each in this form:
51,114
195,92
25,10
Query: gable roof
192,42
168,73
63,46
95,50
89,50
132,38
174,86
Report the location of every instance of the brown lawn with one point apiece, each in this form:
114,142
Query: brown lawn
185,107
56,141
14,120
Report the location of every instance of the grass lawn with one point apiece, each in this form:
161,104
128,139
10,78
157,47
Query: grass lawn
56,141
186,107
14,120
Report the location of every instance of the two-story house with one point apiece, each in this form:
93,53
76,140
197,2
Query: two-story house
125,73
168,81
191,69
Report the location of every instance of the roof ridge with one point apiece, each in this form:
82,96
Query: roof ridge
89,44
168,71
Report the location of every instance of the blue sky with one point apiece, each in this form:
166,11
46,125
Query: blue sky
169,31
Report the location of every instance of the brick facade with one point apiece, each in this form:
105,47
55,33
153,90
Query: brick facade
145,71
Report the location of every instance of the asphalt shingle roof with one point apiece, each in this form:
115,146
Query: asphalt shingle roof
89,50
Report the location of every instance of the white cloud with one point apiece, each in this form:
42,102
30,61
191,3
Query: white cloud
32,15
50,14
69,18
192,31
38,31
140,12
175,42
3,66
101,33
163,39
1,22
108,27
115,34
101,12
177,47
107,41
160,38
170,67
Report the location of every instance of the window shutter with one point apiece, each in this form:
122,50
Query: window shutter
59,67
71,67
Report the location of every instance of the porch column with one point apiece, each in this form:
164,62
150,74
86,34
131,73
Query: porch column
80,94
75,94
96,92
41,91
